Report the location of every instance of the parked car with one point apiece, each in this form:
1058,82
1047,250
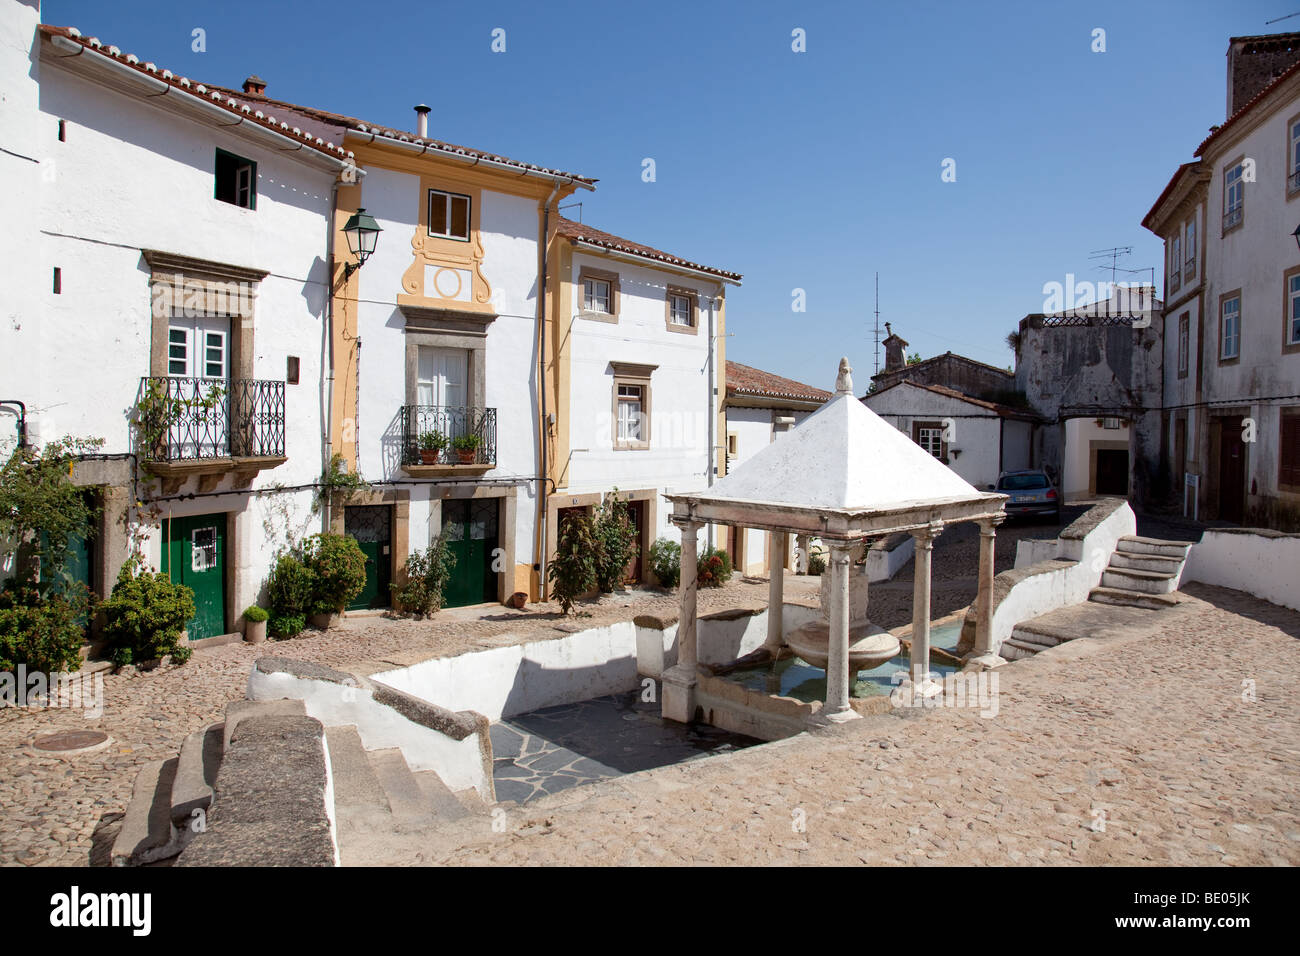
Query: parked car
1030,493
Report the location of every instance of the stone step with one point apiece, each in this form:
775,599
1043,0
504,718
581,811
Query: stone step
1143,561
1131,579
1013,650
358,793
1122,597
471,800
196,775
406,798
444,804
1026,637
1134,544
242,709
146,834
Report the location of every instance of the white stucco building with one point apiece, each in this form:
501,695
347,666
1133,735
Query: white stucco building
1232,313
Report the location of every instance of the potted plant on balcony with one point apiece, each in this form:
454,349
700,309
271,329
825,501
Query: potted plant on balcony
466,447
431,445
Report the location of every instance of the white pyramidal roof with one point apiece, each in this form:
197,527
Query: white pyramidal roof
843,457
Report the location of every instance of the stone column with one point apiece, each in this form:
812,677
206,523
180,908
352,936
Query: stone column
983,654
776,548
923,546
679,681
802,543
837,665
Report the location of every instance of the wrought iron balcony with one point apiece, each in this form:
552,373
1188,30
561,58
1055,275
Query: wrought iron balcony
194,419
1232,217
436,429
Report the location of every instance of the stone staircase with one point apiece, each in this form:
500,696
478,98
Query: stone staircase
1143,573
174,802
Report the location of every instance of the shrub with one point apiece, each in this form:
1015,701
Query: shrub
338,568
289,594
145,615
616,537
427,574
666,562
44,635
255,614
573,569
816,563
714,569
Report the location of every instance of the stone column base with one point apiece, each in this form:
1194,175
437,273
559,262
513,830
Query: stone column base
842,717
679,686
982,662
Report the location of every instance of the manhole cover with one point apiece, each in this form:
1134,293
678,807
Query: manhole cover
67,741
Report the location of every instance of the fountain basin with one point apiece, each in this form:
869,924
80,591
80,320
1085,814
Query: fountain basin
870,645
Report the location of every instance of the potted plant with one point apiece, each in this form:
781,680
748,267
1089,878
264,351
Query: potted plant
466,447
255,624
431,444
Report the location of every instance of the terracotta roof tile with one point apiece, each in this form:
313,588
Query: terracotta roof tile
580,231
744,380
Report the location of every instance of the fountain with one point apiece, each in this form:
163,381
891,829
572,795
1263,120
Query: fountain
870,645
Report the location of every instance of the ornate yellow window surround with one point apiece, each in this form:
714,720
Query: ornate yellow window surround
441,268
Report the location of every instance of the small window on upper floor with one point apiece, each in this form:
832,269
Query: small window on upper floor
1234,196
1175,264
682,310
236,180
448,215
596,295
1189,251
1293,156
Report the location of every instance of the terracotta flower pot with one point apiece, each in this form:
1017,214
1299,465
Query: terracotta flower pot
466,456
428,456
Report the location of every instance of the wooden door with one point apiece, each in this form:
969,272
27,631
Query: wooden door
1232,471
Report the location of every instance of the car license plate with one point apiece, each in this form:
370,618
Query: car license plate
1022,499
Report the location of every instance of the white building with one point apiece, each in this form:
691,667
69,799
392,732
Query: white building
1232,313
168,242
759,407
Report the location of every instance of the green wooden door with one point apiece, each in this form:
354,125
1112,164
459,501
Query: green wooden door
372,528
470,526
194,554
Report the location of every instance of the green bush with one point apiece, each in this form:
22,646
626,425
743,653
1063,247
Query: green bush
427,574
44,635
816,563
255,614
289,594
616,537
145,615
577,554
714,569
666,562
338,568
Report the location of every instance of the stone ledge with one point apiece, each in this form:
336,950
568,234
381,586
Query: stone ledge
1087,522
455,724
305,670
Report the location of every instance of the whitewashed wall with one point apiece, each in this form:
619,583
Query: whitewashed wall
1259,563
978,440
1080,433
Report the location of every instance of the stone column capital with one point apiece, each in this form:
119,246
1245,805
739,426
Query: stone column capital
686,523
926,534
989,526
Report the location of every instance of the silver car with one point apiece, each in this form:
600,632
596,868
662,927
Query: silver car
1029,493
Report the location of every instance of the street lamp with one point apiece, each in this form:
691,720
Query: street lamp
362,232
1296,236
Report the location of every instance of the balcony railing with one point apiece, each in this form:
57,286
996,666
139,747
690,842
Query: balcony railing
191,419
1232,217
1293,181
451,423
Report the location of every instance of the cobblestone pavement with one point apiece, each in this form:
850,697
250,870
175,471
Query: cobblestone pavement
1176,744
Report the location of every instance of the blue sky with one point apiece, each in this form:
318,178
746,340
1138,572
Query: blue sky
808,170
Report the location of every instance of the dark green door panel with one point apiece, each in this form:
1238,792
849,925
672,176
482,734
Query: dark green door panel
372,527
470,526
194,555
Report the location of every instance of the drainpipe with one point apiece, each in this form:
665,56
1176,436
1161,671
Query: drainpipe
328,419
543,424
711,459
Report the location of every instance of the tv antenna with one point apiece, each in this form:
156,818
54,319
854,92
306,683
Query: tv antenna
1113,255
570,206
1279,19
875,334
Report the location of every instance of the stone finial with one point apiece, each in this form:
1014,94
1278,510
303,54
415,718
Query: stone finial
844,381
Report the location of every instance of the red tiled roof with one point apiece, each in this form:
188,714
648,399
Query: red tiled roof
199,91
580,231
1169,188
1247,107
361,126
1005,411
744,380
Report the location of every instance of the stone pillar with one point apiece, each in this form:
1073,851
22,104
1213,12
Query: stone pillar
776,548
923,546
983,654
679,681
802,543
837,665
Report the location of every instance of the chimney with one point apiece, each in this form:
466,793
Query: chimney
255,85
1255,62
895,354
422,121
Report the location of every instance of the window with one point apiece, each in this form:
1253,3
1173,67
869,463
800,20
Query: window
236,180
199,347
1288,456
448,215
1189,252
58,281
681,308
929,435
1175,263
291,370
1110,423
1234,196
1230,325
1293,308
631,405
631,414
1293,156
733,444
600,294
442,377
1184,340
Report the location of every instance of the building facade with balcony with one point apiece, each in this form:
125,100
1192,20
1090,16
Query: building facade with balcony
170,300
1229,221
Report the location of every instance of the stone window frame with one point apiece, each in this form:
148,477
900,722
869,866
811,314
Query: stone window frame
936,425
1223,299
446,329
633,374
1189,249
1184,344
1291,171
615,294
694,298
1175,277
1227,168
1288,345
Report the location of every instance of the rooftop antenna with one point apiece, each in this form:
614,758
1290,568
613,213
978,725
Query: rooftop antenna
1113,255
570,206
1278,19
875,335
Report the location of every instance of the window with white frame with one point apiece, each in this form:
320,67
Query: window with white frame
680,310
929,435
1184,342
1230,342
1293,310
1189,251
1234,196
597,295
1175,263
198,347
448,215
1293,156
631,414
